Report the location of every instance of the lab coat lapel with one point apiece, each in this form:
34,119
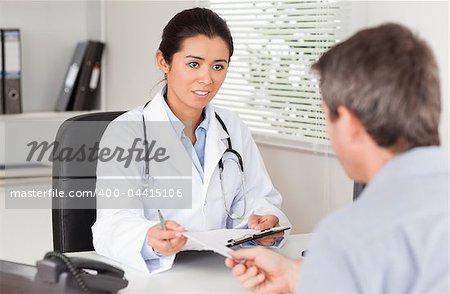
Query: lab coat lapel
166,137
214,149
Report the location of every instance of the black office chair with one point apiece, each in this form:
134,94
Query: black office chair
72,218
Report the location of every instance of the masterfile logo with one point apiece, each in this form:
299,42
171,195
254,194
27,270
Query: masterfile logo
54,152
115,168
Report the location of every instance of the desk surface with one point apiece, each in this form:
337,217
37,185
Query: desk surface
194,272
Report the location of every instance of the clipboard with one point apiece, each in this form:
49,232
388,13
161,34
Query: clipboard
251,237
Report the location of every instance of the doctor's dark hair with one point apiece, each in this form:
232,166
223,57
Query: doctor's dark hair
190,23
389,79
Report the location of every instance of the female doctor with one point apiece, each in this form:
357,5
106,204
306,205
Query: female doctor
194,56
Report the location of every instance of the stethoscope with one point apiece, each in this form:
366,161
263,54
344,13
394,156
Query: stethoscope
230,150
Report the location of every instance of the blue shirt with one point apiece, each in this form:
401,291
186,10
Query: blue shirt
394,239
198,149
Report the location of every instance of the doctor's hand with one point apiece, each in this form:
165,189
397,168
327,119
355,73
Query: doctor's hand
264,271
261,222
158,239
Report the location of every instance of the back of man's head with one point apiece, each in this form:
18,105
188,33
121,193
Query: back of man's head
389,79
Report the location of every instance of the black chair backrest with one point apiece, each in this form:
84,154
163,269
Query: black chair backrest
72,218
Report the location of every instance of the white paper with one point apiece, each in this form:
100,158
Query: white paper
215,240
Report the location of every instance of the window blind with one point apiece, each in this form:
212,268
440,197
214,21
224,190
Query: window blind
269,82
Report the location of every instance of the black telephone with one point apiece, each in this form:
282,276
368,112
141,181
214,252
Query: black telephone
57,273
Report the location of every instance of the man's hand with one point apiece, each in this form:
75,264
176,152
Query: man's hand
261,222
157,238
264,271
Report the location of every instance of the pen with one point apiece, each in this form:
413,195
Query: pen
163,227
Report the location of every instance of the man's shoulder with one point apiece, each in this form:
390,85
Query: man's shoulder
384,210
339,226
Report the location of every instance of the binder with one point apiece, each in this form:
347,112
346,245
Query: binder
88,89
1,72
12,98
66,95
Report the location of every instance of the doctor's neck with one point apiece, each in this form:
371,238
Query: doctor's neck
190,117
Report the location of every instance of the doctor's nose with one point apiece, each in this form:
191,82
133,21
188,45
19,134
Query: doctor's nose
205,78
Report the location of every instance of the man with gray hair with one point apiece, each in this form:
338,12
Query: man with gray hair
381,98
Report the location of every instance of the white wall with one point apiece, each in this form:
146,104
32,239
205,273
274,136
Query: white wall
133,33
312,184
25,234
429,19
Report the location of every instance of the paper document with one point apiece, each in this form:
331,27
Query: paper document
215,240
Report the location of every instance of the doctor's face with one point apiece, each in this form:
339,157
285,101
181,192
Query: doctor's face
196,73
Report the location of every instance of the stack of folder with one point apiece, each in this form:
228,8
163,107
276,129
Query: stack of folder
81,86
10,71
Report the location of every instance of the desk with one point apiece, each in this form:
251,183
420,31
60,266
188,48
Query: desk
194,272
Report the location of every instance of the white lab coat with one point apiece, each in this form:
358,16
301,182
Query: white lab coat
120,233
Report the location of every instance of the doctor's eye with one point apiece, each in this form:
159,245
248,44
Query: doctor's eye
218,67
193,64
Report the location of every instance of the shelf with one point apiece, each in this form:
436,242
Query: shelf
45,115
19,130
25,171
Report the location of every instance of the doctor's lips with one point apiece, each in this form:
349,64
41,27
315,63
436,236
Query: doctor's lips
202,93
94,152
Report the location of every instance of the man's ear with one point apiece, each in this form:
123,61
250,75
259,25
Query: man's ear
350,123
161,62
